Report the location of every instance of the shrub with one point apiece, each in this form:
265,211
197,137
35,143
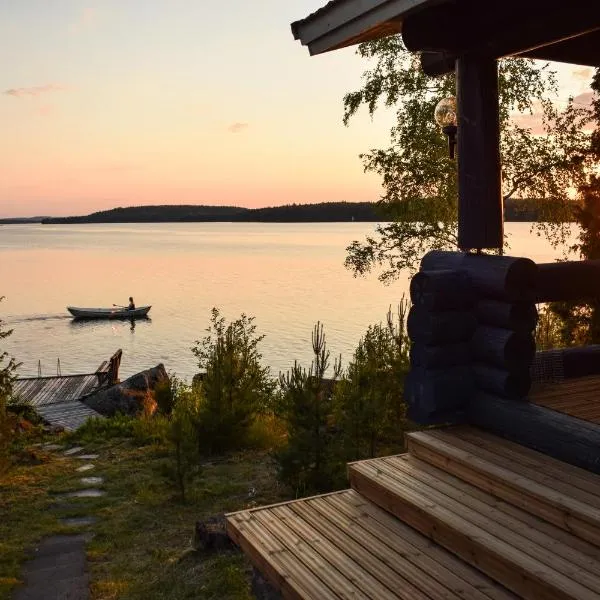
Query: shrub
235,387
370,409
165,394
305,404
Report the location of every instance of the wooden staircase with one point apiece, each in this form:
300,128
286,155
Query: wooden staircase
463,514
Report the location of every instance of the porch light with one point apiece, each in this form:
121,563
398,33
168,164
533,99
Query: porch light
445,117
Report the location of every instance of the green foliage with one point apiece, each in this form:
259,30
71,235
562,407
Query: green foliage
141,431
420,180
579,322
8,368
307,461
369,399
183,435
235,387
165,394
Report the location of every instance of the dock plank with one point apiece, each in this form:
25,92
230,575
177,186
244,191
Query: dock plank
69,415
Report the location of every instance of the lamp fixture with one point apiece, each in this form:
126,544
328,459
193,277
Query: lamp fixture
445,117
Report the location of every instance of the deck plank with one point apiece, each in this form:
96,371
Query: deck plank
455,527
516,454
275,562
409,544
473,465
544,544
343,535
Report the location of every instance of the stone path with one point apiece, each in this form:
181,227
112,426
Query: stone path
57,569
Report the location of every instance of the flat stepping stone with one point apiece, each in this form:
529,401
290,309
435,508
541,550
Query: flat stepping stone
85,468
72,451
52,447
92,480
88,456
78,521
56,571
89,493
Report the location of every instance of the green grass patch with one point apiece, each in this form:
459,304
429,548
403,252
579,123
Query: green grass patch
143,539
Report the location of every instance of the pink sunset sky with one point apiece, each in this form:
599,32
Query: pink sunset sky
113,103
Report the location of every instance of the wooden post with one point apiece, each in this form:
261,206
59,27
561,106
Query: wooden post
480,211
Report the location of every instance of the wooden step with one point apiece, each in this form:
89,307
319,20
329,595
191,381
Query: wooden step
562,494
531,557
343,546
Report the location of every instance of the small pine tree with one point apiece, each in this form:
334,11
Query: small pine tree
370,409
182,433
235,387
305,404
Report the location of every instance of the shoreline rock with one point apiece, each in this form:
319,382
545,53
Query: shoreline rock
134,396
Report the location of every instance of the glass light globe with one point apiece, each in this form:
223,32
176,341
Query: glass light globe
445,112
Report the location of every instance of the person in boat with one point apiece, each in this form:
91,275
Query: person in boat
131,305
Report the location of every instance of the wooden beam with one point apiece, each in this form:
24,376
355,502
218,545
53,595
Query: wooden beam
568,439
480,210
494,30
568,280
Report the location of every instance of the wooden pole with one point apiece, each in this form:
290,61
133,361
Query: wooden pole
480,213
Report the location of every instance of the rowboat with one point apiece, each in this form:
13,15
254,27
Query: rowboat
109,313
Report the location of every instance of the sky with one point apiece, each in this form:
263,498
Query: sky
108,103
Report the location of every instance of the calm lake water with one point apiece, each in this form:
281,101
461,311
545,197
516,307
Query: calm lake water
286,275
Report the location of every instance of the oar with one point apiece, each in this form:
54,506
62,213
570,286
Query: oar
119,306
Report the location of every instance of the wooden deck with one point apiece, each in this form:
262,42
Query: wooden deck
578,398
463,514
343,546
41,391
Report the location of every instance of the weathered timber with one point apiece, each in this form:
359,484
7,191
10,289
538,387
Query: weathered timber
480,209
568,280
514,385
503,348
433,357
558,435
568,363
521,317
440,327
441,290
439,390
504,278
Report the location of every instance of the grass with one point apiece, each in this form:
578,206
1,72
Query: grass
143,539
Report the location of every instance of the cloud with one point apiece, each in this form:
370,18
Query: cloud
33,92
584,73
584,99
238,127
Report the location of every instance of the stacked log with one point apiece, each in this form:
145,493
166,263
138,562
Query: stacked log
472,330
440,325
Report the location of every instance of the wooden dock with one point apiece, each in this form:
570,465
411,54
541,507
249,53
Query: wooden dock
58,400
463,514
41,391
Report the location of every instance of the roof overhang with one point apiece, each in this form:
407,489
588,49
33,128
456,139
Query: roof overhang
344,23
444,29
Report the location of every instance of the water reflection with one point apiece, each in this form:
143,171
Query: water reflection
93,323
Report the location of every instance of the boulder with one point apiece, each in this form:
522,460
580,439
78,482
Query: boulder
134,396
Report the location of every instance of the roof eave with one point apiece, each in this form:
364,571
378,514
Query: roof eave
344,23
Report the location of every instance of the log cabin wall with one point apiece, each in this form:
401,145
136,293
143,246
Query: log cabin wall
471,327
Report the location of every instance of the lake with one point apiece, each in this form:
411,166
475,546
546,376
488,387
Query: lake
289,276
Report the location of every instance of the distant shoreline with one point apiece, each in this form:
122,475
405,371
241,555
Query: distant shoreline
325,212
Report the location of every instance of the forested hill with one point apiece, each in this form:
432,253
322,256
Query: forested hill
291,213
514,210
